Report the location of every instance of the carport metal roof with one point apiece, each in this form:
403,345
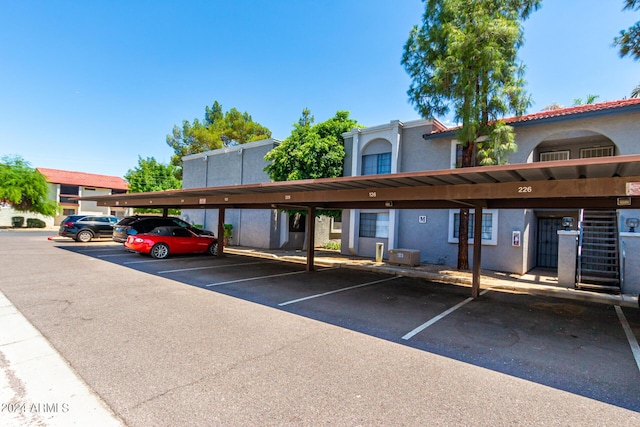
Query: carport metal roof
597,183
605,182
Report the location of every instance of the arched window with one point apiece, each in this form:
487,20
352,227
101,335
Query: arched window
376,158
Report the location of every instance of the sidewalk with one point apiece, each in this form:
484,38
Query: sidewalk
37,386
536,282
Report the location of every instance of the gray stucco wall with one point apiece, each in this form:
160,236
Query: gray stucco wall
367,246
622,129
348,155
631,244
346,227
435,153
430,238
421,155
243,164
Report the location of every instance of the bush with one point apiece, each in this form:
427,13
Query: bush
333,246
17,221
35,223
228,233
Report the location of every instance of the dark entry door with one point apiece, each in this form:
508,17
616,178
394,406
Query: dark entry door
547,254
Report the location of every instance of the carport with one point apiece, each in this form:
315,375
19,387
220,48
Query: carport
596,183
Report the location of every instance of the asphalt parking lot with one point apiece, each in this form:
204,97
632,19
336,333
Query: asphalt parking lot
84,298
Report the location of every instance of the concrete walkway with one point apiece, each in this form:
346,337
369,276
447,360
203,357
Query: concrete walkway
37,386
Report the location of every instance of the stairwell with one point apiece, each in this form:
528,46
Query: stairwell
598,253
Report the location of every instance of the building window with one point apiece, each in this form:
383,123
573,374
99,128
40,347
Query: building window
336,224
374,225
550,156
489,226
456,154
69,190
586,153
375,164
68,201
66,191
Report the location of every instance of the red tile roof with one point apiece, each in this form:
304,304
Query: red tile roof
57,176
574,110
569,111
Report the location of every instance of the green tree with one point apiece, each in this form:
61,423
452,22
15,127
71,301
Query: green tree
311,151
218,129
464,58
590,99
24,187
628,42
150,175
498,146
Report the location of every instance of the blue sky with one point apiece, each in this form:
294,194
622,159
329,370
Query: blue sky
91,85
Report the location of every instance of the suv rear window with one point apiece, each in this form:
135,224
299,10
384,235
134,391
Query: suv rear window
127,220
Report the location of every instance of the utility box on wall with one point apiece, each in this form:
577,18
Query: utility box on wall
404,256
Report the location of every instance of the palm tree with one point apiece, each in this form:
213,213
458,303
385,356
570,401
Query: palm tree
590,99
635,93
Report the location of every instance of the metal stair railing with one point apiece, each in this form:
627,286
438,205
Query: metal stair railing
580,237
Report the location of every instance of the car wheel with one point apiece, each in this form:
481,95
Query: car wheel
160,251
84,236
213,249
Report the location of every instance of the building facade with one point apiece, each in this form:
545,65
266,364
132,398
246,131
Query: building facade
261,228
514,240
64,185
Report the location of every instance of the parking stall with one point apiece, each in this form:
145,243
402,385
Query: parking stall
566,345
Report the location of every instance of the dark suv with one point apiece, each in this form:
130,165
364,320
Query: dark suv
83,228
143,224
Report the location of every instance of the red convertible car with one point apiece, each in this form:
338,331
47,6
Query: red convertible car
162,241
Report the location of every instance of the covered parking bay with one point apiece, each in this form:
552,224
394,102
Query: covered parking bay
596,183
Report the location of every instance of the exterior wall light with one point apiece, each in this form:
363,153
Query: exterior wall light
632,223
567,222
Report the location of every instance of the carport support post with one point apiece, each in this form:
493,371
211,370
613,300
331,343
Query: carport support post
477,251
165,211
220,231
311,234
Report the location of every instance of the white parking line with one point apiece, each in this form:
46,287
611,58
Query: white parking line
145,260
336,291
256,278
633,343
214,266
439,316
115,248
